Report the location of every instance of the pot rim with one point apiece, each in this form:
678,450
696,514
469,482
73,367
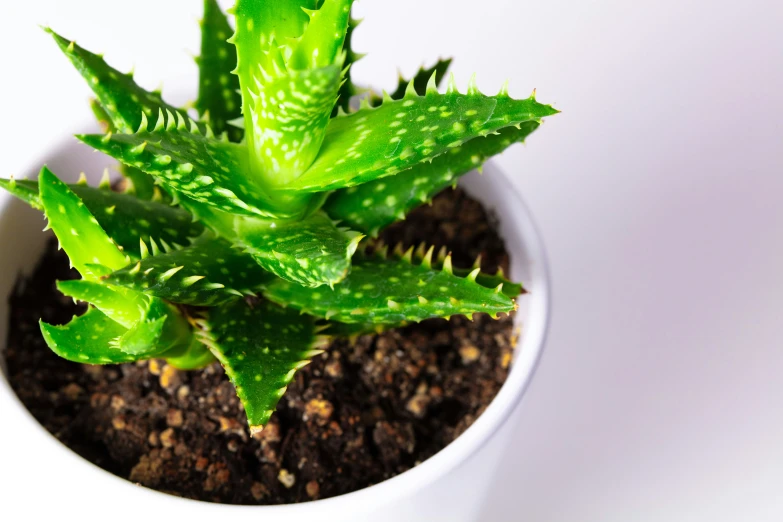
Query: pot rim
527,355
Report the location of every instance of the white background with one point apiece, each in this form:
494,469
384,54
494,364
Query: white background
658,191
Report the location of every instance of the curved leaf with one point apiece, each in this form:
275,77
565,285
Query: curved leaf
125,218
202,169
392,291
23,189
78,231
290,113
261,27
261,348
374,143
163,330
152,326
121,98
207,273
143,340
87,339
309,252
487,280
374,205
122,306
322,40
290,69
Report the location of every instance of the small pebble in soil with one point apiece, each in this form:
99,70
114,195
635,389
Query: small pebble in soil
174,418
286,479
258,491
168,438
118,422
155,367
469,353
312,489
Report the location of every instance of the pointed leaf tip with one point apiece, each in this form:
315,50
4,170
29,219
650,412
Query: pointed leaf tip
280,342
121,98
76,228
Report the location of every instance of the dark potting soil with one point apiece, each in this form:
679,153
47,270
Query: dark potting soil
359,414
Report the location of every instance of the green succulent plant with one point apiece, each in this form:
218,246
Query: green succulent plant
245,231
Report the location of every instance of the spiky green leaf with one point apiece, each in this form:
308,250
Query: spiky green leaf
290,113
94,338
159,327
23,189
258,24
207,273
161,331
218,88
76,228
309,252
128,219
125,218
200,168
153,326
87,339
322,40
261,348
372,206
374,143
143,340
122,306
392,291
290,70
121,98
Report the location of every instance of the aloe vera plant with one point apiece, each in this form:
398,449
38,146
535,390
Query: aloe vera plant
246,231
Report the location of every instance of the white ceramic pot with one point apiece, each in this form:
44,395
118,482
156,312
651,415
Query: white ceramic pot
48,478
